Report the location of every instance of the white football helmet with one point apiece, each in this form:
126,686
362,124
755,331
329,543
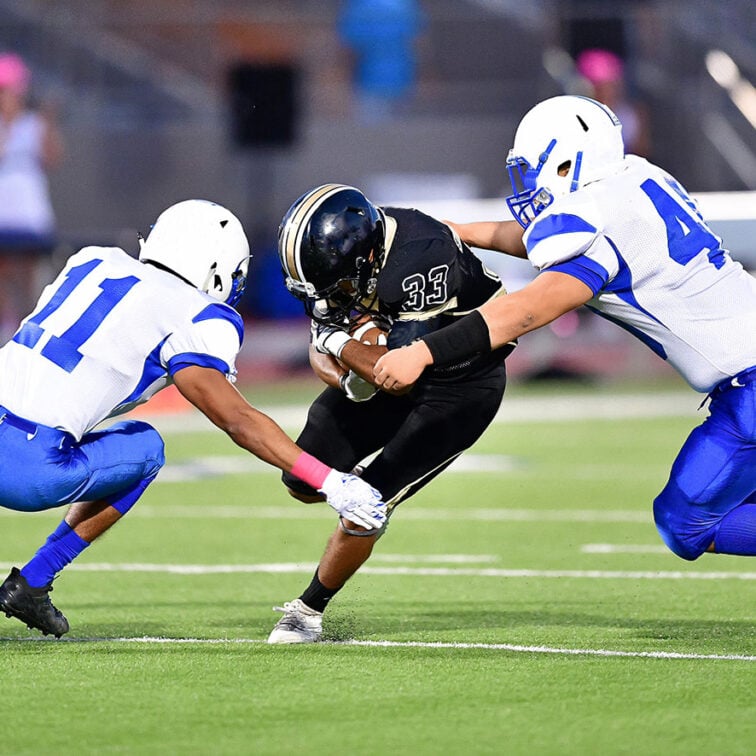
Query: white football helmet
205,244
581,136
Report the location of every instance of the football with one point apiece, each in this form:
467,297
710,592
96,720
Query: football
370,332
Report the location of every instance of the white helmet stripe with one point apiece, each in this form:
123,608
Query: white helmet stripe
293,232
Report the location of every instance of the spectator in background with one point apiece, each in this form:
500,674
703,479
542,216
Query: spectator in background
604,71
381,34
30,145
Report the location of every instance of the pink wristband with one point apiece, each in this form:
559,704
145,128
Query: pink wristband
311,470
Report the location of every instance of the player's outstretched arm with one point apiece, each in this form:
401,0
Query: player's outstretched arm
211,393
499,236
544,299
495,324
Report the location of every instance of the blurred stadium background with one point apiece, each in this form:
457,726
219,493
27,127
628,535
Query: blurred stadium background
252,103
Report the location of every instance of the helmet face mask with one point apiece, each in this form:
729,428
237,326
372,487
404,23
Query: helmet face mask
331,245
527,199
238,282
561,145
204,244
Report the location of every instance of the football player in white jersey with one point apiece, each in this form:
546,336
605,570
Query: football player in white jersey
620,235
106,335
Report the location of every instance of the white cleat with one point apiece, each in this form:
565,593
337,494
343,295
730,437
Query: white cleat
300,624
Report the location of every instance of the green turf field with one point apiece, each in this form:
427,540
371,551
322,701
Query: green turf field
520,604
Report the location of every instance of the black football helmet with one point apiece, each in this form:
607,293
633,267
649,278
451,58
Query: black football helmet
331,245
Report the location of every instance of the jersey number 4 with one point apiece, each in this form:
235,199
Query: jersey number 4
63,350
687,234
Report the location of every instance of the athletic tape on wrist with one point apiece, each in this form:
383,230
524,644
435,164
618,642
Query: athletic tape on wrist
310,470
465,338
336,342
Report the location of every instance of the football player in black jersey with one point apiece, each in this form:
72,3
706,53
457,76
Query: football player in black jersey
356,266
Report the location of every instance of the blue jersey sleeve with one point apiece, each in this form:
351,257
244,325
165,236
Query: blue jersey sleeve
593,275
212,339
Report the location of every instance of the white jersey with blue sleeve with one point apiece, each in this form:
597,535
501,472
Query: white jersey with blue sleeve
108,334
655,268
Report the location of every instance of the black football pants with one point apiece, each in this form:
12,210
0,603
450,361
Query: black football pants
417,435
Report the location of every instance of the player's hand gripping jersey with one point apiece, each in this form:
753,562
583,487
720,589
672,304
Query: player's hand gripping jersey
108,334
655,268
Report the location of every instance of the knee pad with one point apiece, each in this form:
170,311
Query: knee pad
154,446
142,440
680,534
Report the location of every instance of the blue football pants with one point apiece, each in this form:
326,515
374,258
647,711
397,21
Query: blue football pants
714,472
42,467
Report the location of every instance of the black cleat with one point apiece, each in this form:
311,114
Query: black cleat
31,605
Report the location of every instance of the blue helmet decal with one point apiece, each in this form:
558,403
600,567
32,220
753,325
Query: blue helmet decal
575,183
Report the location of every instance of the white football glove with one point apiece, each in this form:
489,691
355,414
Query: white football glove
356,388
354,499
328,339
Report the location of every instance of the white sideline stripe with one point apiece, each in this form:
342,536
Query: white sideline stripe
610,407
200,468
296,511
624,548
513,410
443,558
605,652
308,567
551,650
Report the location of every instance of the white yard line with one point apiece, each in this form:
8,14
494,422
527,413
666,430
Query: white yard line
431,558
322,512
495,572
623,548
551,650
199,468
406,512
509,647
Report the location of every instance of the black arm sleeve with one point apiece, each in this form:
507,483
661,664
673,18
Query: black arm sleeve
465,338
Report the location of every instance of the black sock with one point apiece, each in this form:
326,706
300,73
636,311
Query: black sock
316,595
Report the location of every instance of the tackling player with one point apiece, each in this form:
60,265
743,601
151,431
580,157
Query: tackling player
621,236
106,335
354,265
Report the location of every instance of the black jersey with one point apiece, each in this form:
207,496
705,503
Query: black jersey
429,277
